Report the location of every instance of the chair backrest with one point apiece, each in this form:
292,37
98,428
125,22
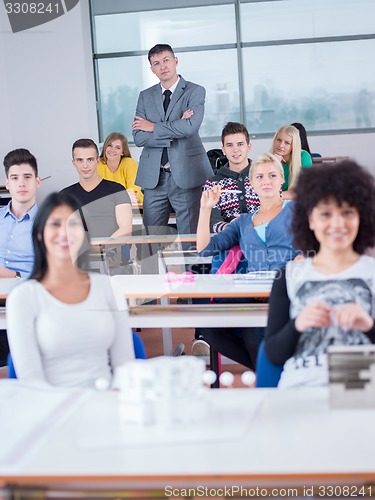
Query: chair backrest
139,351
217,159
139,347
267,374
11,370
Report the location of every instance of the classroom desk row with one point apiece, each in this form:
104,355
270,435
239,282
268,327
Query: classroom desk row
168,239
250,438
166,316
328,160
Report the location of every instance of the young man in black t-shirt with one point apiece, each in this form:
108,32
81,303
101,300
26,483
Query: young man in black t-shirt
106,205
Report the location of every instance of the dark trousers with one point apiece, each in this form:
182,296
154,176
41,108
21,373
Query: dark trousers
166,197
4,348
158,204
238,344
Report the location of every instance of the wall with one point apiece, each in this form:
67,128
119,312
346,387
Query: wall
47,94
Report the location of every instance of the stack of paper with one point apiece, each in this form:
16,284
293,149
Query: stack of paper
256,278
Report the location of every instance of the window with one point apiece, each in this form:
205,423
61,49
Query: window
265,63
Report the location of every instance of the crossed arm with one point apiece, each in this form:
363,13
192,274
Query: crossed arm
147,126
160,134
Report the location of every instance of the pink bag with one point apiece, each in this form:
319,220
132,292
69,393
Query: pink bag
231,261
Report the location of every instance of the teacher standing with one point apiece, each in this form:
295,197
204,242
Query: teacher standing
173,165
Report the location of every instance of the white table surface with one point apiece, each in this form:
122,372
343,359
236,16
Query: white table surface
6,284
142,239
157,286
292,437
197,316
204,285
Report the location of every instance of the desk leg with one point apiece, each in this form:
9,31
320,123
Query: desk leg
167,341
167,334
214,362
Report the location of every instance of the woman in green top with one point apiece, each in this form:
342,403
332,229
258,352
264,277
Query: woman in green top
286,146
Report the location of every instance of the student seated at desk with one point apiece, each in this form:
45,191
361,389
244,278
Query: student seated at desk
64,325
116,164
328,298
286,146
240,197
16,222
264,238
106,205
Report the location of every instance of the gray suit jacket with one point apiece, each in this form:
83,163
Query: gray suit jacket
187,157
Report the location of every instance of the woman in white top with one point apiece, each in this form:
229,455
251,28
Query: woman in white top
64,325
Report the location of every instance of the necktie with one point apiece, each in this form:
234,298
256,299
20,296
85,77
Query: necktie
167,99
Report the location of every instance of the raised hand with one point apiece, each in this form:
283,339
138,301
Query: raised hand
210,197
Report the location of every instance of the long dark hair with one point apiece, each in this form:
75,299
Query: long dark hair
303,136
53,201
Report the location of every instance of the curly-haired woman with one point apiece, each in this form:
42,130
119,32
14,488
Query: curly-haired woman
328,298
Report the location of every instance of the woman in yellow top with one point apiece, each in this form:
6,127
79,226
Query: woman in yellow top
116,164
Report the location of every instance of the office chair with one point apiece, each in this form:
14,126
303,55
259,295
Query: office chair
267,374
139,351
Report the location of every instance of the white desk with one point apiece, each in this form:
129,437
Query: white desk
205,286
6,284
328,160
156,286
199,316
180,258
292,439
144,238
187,316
